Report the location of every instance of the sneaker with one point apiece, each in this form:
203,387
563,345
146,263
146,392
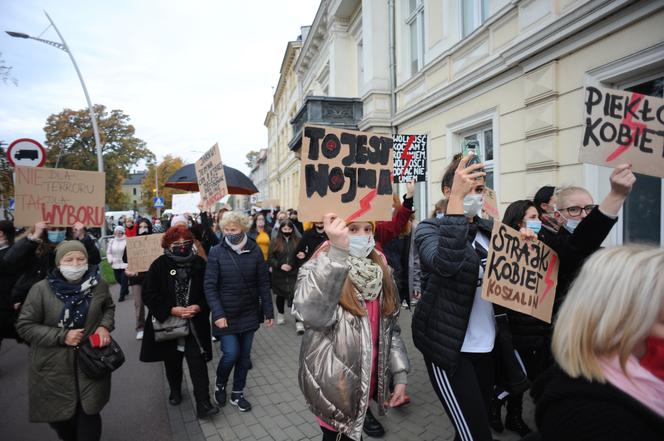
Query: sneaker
299,327
404,305
237,399
139,335
206,409
220,396
280,319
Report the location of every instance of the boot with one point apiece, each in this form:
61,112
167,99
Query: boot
495,418
206,409
175,397
372,427
513,420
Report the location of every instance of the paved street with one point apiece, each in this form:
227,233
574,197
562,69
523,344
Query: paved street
138,410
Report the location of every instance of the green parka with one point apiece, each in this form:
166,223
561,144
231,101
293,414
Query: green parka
52,381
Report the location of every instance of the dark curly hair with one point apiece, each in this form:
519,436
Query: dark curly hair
176,233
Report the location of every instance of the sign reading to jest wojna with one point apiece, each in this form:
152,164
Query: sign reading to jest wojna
409,153
519,275
345,172
59,196
623,127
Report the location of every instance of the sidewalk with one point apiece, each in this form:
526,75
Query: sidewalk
279,412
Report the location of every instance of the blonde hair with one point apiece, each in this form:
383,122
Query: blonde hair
563,193
609,310
235,218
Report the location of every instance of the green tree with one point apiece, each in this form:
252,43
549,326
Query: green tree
71,144
165,169
252,157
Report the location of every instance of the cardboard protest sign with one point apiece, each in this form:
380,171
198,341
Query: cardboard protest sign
623,127
409,153
142,251
269,203
490,206
519,276
59,196
186,203
345,172
211,178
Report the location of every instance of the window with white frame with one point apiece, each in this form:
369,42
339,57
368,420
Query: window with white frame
415,23
473,14
482,139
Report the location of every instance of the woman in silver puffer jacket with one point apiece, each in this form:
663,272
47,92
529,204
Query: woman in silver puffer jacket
346,297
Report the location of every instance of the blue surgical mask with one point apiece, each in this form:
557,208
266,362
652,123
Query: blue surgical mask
534,224
361,246
571,224
56,236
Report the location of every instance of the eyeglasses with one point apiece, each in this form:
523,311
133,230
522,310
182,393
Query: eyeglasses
181,244
575,211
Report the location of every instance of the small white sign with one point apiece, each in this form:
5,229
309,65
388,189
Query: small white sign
186,203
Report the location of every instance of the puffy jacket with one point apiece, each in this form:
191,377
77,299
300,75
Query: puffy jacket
450,267
572,249
234,295
55,386
335,357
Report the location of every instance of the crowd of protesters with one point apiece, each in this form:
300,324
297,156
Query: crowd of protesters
597,372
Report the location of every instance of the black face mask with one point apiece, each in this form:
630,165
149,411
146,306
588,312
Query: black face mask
182,250
286,234
235,239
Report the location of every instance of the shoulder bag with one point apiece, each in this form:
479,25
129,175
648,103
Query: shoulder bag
173,328
96,363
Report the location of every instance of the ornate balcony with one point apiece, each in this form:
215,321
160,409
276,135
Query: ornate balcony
344,113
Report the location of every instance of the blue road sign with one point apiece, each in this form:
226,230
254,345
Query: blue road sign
158,202
11,204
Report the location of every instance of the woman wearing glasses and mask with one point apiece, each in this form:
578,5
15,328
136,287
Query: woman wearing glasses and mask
173,287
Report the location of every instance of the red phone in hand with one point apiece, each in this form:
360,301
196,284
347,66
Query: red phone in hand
95,340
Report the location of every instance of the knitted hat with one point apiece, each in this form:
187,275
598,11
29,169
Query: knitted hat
179,219
66,246
119,229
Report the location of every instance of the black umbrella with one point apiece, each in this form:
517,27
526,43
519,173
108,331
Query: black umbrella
236,181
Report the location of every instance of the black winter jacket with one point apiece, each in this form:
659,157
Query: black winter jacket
451,266
23,253
159,296
573,249
8,275
283,282
234,295
575,409
311,240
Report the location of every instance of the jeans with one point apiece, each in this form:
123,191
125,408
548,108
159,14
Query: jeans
121,278
197,370
80,427
236,350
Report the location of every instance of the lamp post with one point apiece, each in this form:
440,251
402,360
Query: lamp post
156,185
64,47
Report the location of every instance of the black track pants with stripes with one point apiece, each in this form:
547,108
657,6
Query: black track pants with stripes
466,395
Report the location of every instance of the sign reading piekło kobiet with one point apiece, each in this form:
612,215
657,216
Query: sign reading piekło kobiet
409,153
345,172
623,127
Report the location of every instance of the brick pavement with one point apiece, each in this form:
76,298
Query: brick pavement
279,412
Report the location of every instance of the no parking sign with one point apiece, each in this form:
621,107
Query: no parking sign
26,152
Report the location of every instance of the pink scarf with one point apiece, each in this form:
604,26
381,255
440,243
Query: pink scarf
640,384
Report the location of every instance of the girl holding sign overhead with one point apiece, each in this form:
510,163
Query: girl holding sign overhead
347,299
453,326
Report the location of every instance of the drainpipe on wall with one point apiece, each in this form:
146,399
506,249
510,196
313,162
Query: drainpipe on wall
393,62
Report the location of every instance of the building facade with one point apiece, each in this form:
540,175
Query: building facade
505,74
259,176
132,186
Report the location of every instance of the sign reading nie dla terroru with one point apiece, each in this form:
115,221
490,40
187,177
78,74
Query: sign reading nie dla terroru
345,172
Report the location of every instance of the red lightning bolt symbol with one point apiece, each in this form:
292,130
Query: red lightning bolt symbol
406,155
627,121
547,277
365,205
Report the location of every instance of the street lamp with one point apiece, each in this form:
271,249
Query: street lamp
63,46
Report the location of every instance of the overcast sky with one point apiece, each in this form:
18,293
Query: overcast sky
189,74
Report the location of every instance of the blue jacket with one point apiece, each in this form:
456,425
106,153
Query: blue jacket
242,297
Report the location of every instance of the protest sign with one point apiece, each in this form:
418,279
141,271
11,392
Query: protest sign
623,127
410,158
142,251
520,276
211,178
345,172
59,196
491,203
186,203
269,203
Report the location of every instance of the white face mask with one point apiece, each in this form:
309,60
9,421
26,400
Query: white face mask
472,205
73,273
361,246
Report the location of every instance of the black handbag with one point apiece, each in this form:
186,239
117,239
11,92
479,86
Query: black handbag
96,363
